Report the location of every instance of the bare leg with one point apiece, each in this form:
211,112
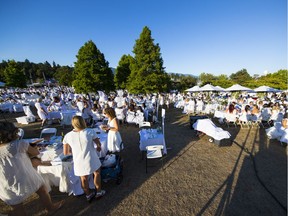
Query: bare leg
97,180
85,184
46,199
43,122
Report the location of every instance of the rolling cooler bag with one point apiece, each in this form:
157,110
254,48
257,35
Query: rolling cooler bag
112,167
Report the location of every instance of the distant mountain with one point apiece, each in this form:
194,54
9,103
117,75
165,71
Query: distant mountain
183,74
113,70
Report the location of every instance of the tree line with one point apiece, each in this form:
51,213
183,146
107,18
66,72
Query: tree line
141,73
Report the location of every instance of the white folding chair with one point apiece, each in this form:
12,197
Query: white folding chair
153,152
48,131
120,114
130,117
244,120
144,124
230,119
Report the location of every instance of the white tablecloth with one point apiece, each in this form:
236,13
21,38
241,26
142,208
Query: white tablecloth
103,139
57,176
219,114
150,137
61,174
52,150
6,107
66,117
54,115
208,127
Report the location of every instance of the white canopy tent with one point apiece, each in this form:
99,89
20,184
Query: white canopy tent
220,88
193,89
237,87
208,87
266,89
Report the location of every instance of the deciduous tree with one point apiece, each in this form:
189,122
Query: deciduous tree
14,75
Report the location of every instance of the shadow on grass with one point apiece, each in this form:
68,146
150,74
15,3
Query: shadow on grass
262,179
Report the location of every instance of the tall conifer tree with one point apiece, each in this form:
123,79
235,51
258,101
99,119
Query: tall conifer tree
123,71
92,72
147,71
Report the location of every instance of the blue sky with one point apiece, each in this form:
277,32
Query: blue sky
195,36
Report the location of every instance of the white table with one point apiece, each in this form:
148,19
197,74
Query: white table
57,175
103,140
61,174
150,137
6,107
219,114
66,117
48,149
51,149
54,115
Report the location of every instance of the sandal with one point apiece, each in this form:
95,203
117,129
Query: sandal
100,194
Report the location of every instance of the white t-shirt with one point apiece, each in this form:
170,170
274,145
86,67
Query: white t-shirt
85,157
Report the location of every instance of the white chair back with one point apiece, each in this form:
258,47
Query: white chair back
50,131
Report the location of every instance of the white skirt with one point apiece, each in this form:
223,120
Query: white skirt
114,141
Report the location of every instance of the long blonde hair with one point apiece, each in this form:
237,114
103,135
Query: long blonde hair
78,122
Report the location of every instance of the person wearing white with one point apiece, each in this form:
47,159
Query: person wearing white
18,179
42,111
80,142
114,140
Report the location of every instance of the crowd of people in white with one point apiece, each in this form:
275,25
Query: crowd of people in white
53,104
245,110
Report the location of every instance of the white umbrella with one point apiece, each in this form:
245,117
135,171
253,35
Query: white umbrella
194,89
208,87
266,89
237,87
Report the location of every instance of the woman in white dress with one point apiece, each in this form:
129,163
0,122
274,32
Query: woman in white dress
80,143
42,111
114,140
18,179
